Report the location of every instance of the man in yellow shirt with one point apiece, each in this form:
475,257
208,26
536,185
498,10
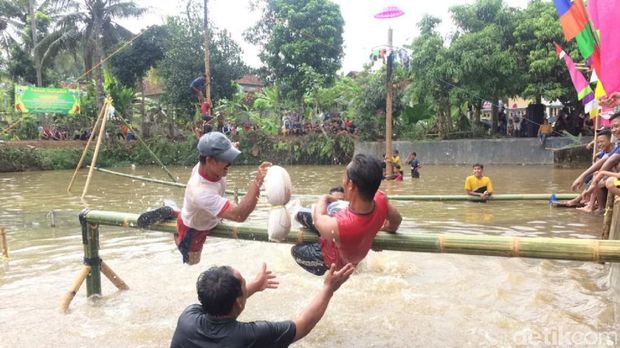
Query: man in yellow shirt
544,131
397,163
478,184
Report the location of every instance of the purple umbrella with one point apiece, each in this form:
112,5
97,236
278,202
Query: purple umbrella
390,12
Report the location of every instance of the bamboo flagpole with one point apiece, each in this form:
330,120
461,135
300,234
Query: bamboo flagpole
106,106
90,139
594,147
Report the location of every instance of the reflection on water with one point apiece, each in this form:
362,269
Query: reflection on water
395,299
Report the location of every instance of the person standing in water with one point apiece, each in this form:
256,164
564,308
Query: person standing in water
479,185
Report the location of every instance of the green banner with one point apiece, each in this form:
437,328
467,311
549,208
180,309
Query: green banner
41,100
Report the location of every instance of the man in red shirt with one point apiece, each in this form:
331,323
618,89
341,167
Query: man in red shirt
347,236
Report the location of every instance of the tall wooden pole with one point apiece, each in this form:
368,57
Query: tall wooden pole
594,147
93,163
90,139
388,108
207,66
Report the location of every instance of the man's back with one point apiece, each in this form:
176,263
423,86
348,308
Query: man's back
196,328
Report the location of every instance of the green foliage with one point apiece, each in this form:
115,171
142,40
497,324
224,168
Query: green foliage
544,74
122,96
131,64
184,61
301,43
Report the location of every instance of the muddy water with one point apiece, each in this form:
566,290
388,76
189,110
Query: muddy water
395,299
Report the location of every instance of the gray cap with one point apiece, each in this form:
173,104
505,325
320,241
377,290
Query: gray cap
217,145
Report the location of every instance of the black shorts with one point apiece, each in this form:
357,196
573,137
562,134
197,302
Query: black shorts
304,217
309,257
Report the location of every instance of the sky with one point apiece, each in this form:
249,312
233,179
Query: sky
362,32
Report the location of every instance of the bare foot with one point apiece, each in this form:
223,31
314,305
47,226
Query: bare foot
586,209
598,212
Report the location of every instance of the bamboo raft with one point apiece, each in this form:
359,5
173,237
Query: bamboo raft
420,198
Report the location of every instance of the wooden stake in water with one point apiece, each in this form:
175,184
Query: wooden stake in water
113,277
77,283
5,246
609,209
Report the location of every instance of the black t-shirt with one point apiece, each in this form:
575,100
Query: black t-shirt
196,328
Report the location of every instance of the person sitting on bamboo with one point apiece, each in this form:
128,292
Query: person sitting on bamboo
606,146
347,236
304,215
223,293
601,166
479,185
204,205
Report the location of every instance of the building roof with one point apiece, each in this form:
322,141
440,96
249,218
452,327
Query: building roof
250,80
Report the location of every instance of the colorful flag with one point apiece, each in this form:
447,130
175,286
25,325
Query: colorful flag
606,15
576,25
584,91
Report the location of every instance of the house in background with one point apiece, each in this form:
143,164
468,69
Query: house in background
250,83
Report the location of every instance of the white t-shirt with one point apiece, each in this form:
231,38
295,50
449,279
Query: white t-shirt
203,201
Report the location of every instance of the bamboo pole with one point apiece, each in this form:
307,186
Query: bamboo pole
541,248
5,246
90,139
148,149
93,162
113,277
91,256
594,147
497,197
77,283
609,209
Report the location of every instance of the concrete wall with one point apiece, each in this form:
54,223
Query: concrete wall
469,151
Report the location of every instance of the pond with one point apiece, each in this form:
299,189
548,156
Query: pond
395,299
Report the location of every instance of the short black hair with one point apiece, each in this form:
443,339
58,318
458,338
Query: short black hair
615,115
336,189
604,131
218,288
366,173
415,154
478,165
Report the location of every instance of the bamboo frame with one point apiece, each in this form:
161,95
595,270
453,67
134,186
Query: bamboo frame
77,283
541,248
90,139
113,277
5,246
607,220
106,106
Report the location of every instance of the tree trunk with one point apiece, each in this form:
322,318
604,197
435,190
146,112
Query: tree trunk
494,115
99,92
538,99
35,39
477,108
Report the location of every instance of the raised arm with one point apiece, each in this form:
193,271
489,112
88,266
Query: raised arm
311,315
264,280
240,212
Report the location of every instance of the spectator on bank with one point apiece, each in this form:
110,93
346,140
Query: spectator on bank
544,130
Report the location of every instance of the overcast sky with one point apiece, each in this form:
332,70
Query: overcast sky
362,32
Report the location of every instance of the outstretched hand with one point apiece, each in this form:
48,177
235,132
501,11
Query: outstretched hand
262,171
264,279
577,184
334,278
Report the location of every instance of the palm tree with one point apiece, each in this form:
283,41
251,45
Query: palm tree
92,23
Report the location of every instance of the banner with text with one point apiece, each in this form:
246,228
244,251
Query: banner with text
41,100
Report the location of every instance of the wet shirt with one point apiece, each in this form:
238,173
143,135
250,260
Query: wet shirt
195,328
397,162
357,232
472,183
414,165
203,202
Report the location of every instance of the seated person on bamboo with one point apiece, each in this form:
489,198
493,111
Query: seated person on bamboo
606,146
478,184
347,236
223,293
204,204
602,166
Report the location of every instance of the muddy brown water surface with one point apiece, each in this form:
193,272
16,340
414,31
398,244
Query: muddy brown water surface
395,299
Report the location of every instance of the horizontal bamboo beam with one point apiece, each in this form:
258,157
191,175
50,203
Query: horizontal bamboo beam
593,250
496,197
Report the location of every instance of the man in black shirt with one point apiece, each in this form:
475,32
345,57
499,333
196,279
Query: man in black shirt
222,293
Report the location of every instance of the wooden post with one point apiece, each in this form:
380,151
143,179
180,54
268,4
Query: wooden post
52,218
594,147
90,241
93,163
5,246
388,109
90,139
113,277
609,211
207,63
64,307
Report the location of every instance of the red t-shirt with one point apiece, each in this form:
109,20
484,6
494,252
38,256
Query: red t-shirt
357,233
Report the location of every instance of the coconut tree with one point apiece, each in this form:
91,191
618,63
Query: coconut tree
92,23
